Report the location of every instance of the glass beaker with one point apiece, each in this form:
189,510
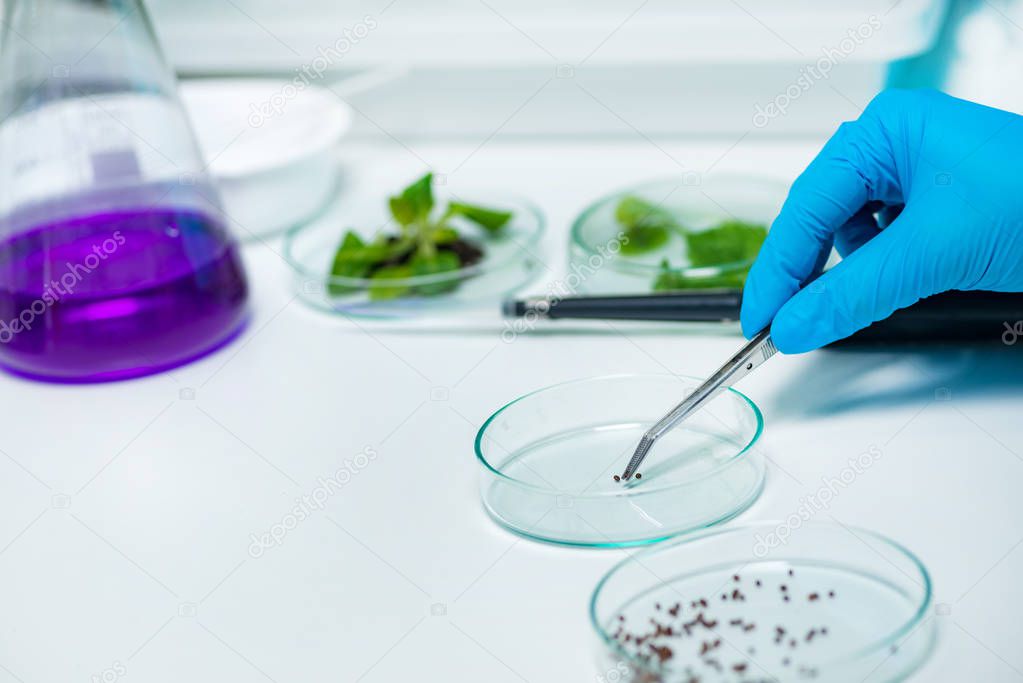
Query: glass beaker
115,260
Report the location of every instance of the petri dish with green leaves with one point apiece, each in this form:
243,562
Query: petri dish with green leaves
548,461
421,250
677,234
790,600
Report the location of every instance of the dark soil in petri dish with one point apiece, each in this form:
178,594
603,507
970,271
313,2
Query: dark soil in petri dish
469,253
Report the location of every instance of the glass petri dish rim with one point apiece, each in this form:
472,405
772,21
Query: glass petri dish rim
532,239
880,644
626,265
477,444
637,543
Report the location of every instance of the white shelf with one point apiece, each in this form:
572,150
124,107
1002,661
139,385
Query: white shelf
257,34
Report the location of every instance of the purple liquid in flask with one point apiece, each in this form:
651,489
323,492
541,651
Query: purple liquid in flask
117,294
114,259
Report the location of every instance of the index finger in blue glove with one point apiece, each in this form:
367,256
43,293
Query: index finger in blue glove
901,267
854,167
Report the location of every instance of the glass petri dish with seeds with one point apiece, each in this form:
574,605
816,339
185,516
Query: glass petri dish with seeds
548,462
766,602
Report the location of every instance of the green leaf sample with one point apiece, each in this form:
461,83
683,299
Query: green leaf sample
729,242
415,202
444,235
646,226
490,220
670,280
425,246
382,287
353,259
440,262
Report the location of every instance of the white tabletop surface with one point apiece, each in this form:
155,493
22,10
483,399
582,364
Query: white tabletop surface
128,508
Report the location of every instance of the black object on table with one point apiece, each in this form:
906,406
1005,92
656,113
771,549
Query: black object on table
954,316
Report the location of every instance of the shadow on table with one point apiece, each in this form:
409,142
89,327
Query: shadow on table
841,380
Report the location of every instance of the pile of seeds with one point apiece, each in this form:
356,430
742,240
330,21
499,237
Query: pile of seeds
697,643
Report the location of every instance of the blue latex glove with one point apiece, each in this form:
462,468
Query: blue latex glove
953,168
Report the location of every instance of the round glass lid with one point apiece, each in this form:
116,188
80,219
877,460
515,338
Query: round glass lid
766,602
548,461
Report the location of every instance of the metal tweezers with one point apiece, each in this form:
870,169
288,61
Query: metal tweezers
749,357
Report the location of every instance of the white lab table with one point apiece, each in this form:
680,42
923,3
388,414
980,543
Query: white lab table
128,509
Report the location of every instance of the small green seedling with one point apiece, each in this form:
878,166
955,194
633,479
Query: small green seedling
426,245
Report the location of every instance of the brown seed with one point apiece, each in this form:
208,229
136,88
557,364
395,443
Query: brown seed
663,653
814,597
617,478
735,578
638,475
831,594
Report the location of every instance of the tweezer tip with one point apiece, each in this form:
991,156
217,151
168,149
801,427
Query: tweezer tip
645,444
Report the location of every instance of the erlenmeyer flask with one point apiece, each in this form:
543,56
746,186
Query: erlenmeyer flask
114,257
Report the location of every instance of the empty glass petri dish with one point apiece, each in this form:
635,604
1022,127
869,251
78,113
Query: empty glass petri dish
776,601
509,262
603,266
548,461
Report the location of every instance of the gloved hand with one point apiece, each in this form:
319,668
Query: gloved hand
946,173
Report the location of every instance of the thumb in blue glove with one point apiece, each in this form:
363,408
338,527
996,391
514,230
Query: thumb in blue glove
947,169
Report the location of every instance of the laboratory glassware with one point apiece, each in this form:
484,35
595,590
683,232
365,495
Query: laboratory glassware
115,260
548,462
510,261
780,601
